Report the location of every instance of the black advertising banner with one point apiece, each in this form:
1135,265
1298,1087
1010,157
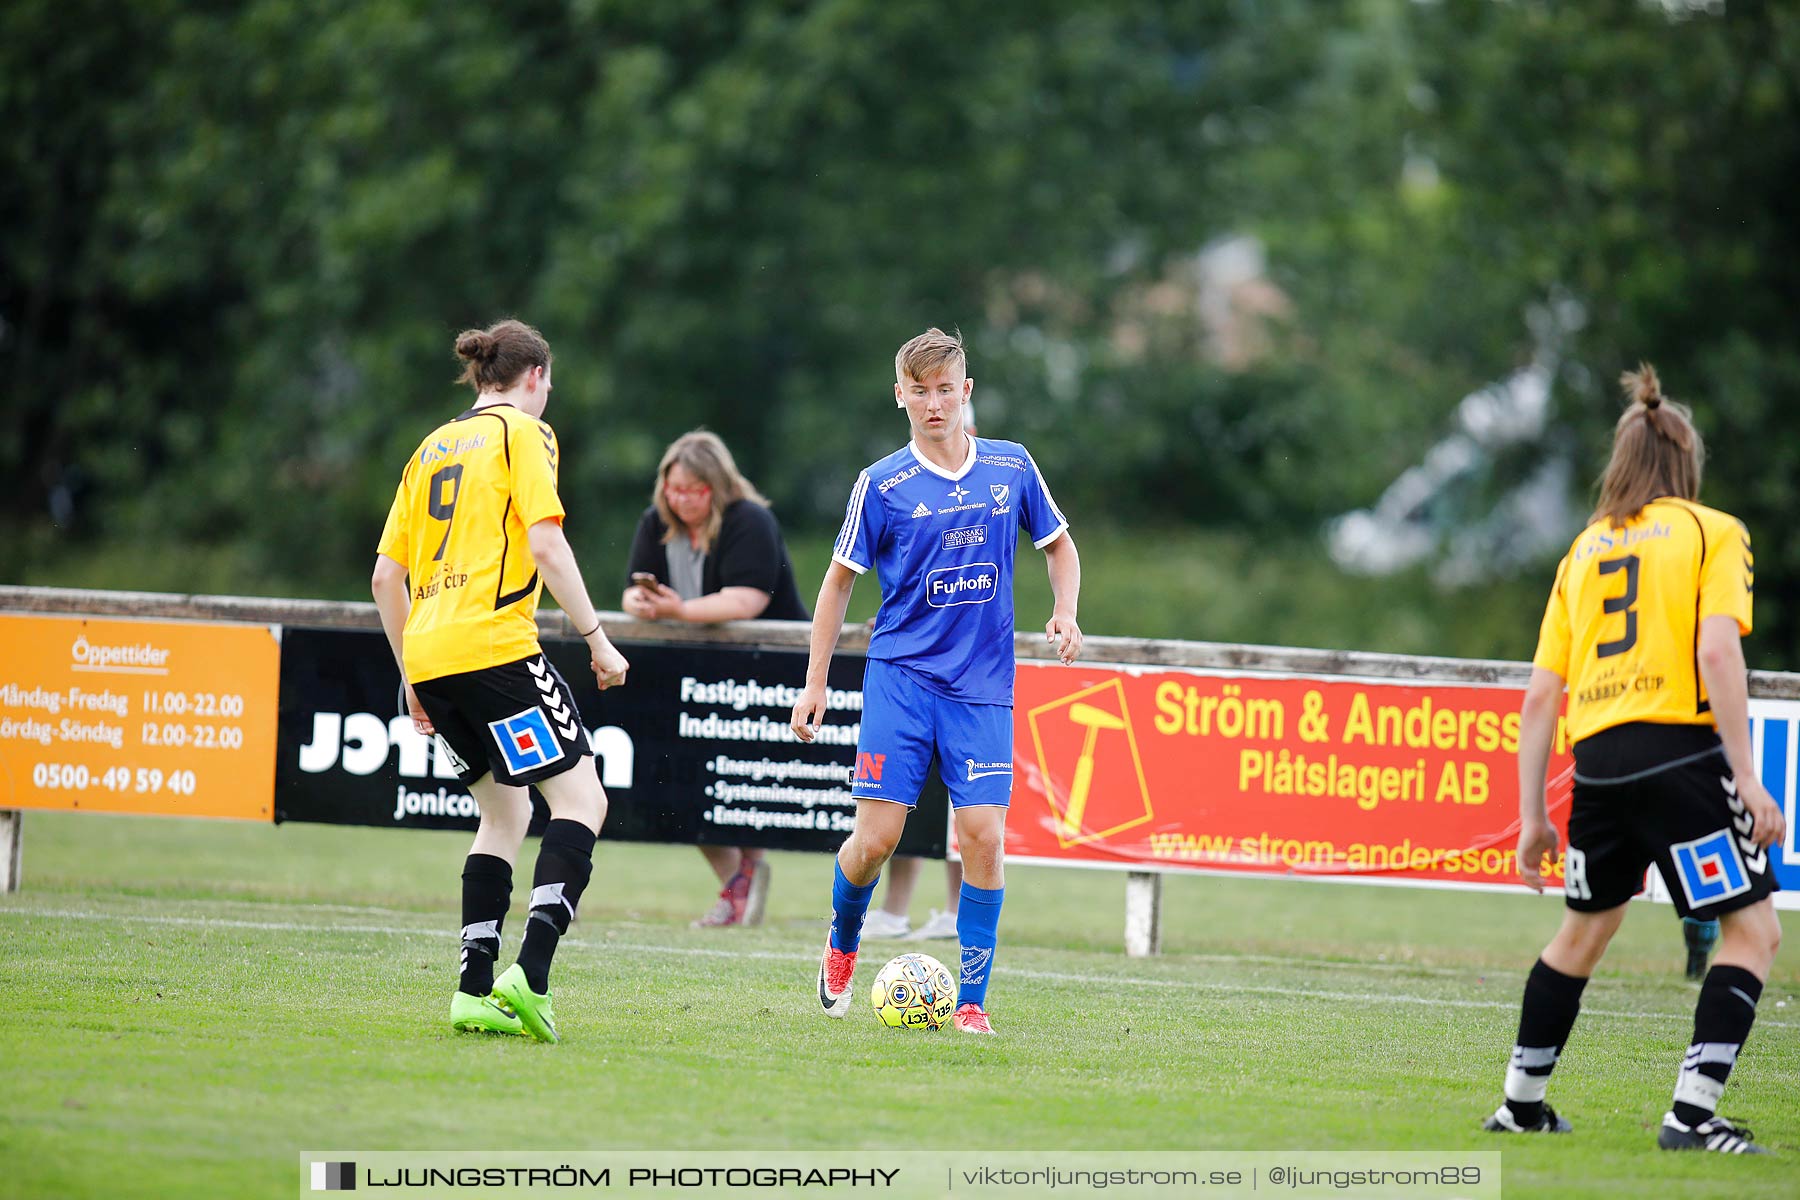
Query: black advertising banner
694,749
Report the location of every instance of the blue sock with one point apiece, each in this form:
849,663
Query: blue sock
849,904
977,925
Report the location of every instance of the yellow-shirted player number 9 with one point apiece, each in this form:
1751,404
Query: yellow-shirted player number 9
445,510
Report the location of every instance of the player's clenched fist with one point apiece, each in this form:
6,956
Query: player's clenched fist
609,667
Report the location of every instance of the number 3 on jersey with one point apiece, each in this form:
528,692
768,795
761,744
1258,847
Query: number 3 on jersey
451,477
1616,604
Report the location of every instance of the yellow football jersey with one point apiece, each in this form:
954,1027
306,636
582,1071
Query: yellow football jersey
1623,623
469,494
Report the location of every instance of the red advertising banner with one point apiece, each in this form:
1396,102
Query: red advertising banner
1143,769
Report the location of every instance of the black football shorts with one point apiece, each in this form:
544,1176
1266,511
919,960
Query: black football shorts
517,720
1687,819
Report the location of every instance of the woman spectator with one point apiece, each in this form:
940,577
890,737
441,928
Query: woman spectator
708,550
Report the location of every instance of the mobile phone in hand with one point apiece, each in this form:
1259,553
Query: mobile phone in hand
643,579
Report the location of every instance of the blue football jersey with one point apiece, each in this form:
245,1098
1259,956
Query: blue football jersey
942,543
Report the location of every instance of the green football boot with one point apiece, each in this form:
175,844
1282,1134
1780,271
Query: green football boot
479,1014
532,1009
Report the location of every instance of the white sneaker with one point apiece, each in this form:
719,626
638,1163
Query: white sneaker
880,923
938,925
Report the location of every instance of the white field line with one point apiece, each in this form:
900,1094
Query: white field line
1278,960
1763,1022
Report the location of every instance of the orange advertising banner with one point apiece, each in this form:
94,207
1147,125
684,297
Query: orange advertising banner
172,718
1151,769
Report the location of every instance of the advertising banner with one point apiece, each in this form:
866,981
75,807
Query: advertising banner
1148,769
1136,768
1193,770
1775,744
171,718
695,748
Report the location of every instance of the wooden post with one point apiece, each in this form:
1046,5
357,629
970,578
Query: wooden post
1143,914
12,843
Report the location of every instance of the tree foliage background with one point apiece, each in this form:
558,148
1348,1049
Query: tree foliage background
236,241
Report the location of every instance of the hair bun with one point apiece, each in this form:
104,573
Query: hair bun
476,345
1642,386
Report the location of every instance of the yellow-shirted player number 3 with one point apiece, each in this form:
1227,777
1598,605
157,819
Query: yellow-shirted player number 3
1621,604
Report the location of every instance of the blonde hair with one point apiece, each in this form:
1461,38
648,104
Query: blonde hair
1656,450
495,357
929,354
704,455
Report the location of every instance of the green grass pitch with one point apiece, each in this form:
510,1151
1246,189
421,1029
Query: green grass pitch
191,1004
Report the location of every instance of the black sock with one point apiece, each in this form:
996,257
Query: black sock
486,895
1551,1003
565,860
1722,1019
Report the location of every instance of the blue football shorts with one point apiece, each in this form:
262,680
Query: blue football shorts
905,724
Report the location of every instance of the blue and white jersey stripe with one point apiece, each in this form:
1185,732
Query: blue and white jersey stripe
847,536
1062,522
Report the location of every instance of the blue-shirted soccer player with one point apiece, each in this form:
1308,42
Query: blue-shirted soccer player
939,521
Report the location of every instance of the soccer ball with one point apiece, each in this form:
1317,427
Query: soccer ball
914,991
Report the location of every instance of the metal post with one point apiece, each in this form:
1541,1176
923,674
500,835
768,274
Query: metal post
12,844
1143,914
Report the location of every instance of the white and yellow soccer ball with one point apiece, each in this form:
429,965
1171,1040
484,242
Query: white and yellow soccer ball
914,991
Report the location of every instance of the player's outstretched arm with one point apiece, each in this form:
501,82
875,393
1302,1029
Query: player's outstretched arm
1537,726
1728,690
1065,589
556,562
828,620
